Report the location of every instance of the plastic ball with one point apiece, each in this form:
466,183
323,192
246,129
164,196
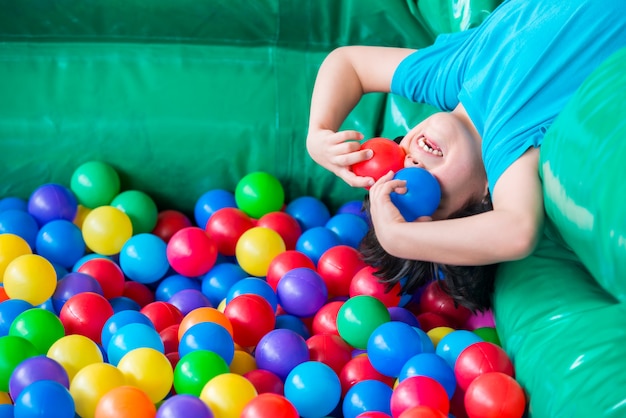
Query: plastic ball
106,272
325,319
259,193
106,229
191,252
373,414
367,396
433,366
451,346
488,334
365,282
35,369
269,405
313,388
480,320
20,223
301,292
293,323
331,350
286,225
217,281
208,336
251,316
226,226
309,211
143,258
13,351
140,208
430,320
315,241
30,277
256,249
354,207
210,202
61,242
495,394
388,156
74,352
422,195
45,398
478,359
401,314
169,336
435,300
95,183
189,299
391,345
122,303
162,314
422,412
255,286
72,284
138,292
358,317
52,201
280,350
195,369
183,406
130,337
284,262
169,222
125,402
9,310
173,284
85,314
360,369
350,228
120,319
11,247
91,383
227,394
419,391
265,381
39,326
201,315
242,363
148,370
13,202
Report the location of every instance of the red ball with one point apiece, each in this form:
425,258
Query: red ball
325,319
169,336
85,314
162,314
169,222
173,357
435,300
495,394
360,368
329,349
373,414
422,412
429,320
388,156
138,292
285,261
365,283
286,225
419,391
480,358
457,403
269,405
191,252
226,226
337,266
107,273
265,381
251,316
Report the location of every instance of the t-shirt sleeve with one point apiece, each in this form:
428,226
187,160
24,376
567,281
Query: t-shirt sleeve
434,74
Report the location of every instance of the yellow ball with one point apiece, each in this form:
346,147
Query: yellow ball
436,334
75,352
227,394
242,363
256,248
91,383
148,370
106,229
5,399
81,214
30,277
11,247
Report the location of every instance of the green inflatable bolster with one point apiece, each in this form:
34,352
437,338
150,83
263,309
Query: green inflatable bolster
560,313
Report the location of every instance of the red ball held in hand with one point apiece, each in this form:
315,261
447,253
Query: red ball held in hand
388,156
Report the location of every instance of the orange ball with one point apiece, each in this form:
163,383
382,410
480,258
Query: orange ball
204,314
125,402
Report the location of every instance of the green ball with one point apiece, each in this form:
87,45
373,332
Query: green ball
13,350
140,208
195,369
39,326
358,317
488,334
259,193
95,184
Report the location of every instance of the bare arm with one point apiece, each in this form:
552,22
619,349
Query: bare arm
508,232
344,77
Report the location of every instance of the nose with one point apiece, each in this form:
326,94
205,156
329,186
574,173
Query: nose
410,162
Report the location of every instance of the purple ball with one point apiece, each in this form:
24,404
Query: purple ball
34,369
280,350
403,315
72,284
301,292
52,201
189,299
184,406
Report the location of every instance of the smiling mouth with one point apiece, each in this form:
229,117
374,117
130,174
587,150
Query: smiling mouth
427,146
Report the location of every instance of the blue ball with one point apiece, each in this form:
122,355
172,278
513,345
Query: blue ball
316,241
7,411
367,396
13,202
208,336
210,202
390,345
61,242
350,228
143,258
45,398
20,223
256,286
120,319
52,201
9,310
217,281
422,196
293,323
354,207
130,337
72,284
427,344
123,303
313,388
308,211
430,365
173,284
451,345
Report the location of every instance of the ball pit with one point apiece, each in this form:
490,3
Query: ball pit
239,317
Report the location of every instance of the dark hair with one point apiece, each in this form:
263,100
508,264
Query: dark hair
469,286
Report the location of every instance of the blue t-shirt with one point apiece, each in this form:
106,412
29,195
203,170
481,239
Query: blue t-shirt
516,71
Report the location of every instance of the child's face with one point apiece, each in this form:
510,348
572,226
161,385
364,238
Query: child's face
450,150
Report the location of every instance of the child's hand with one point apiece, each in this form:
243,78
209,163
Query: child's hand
337,152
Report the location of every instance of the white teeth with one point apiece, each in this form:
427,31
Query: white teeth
427,148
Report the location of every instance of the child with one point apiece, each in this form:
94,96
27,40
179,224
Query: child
499,87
